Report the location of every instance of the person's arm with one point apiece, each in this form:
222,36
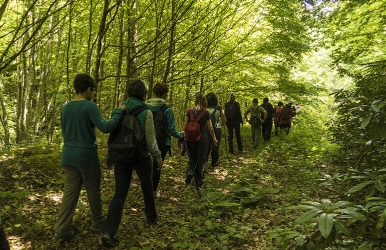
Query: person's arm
239,113
169,115
211,131
103,125
223,118
264,113
150,138
246,115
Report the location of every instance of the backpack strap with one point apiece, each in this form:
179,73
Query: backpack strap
201,115
136,111
192,118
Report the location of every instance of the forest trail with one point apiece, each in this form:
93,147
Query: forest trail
243,198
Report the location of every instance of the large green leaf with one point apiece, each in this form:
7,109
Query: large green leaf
326,223
307,216
380,186
342,228
341,204
358,187
353,214
366,121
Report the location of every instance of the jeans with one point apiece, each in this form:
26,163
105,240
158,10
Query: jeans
267,130
123,174
75,177
236,128
197,156
213,151
156,172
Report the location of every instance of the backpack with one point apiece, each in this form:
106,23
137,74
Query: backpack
213,118
160,126
192,129
255,116
230,110
286,114
125,142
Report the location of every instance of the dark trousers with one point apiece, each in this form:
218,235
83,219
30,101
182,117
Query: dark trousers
123,173
3,240
267,130
285,127
156,172
236,128
197,156
277,126
213,150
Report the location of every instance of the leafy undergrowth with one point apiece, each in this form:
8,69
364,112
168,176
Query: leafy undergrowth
243,198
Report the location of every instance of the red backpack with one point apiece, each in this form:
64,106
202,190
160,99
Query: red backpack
192,129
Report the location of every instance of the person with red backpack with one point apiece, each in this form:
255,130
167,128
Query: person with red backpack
197,123
285,118
165,127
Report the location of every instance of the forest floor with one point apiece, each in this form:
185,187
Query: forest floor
243,198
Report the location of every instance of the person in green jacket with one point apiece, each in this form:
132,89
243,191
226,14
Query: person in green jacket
167,128
80,160
123,172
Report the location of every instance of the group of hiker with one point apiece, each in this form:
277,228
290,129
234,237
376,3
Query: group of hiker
140,138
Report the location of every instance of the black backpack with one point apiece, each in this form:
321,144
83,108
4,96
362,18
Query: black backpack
125,142
160,126
230,110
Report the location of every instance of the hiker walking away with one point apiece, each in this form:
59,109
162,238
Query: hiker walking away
285,117
277,115
4,245
165,127
137,92
234,118
197,143
218,119
80,161
267,124
256,113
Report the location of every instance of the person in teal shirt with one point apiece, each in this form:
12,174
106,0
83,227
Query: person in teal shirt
155,104
80,160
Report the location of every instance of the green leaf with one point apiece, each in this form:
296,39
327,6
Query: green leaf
366,121
358,187
380,186
342,228
353,214
227,204
307,216
326,222
341,204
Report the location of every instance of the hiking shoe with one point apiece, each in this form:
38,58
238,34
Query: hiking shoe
98,226
66,235
108,241
189,178
150,223
157,195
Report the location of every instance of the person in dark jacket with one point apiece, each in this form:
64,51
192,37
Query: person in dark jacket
80,161
123,172
266,127
155,104
277,115
234,119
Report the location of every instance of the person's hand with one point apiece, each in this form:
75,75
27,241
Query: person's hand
109,164
122,106
160,164
215,141
183,134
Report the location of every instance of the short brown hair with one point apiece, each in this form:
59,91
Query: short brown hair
160,89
